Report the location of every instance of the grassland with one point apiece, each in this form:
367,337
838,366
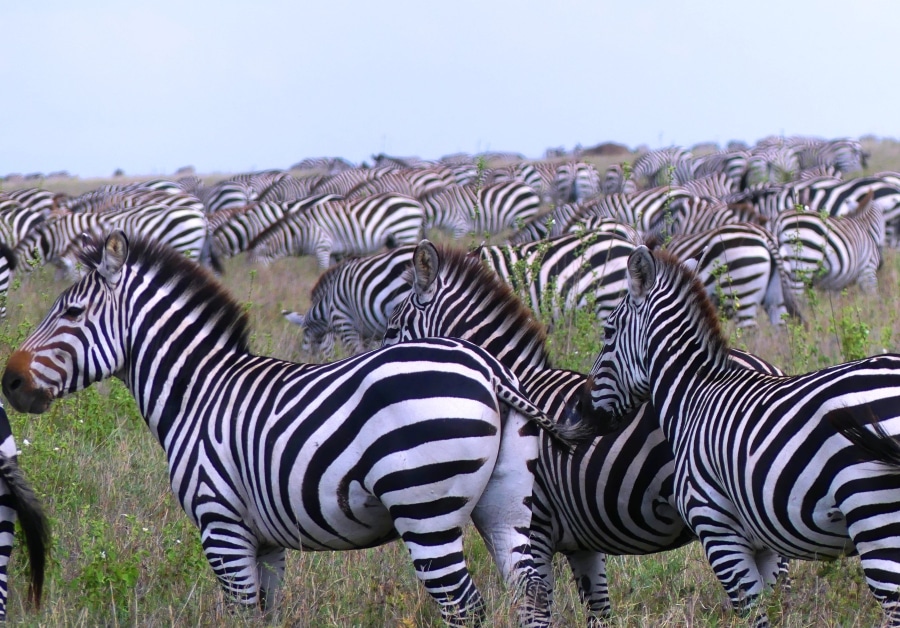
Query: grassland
125,554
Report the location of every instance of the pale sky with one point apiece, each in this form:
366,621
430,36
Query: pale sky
231,86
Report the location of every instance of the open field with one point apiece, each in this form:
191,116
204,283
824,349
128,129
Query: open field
125,554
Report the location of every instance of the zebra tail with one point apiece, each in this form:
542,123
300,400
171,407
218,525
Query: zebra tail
568,436
7,252
33,522
876,444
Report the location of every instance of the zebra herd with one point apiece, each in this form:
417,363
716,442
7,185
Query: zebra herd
460,415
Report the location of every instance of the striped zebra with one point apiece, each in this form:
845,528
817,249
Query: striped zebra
612,496
234,229
18,501
487,211
339,228
662,167
405,442
760,469
742,270
572,271
353,301
576,182
59,241
7,268
646,211
615,181
832,253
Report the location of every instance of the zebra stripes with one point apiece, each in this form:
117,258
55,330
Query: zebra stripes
760,471
485,211
408,441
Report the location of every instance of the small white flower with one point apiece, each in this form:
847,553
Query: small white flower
56,449
26,442
145,529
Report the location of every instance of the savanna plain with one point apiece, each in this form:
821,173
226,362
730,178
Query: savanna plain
124,553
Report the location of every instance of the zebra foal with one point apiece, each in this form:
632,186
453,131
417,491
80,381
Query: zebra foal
407,442
761,469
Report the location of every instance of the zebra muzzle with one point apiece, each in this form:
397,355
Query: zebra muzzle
19,388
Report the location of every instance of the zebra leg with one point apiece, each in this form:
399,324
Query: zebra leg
231,550
589,569
7,539
542,546
270,571
440,565
734,562
503,517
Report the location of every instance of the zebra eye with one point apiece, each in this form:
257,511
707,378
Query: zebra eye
608,332
73,312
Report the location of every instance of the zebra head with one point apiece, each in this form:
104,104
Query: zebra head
619,380
410,319
78,342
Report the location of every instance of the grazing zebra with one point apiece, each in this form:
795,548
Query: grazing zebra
564,273
58,241
338,228
742,270
832,253
611,496
486,211
646,211
404,442
7,267
666,166
760,470
17,500
234,229
353,301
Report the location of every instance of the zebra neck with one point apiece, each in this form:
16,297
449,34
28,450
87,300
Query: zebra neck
679,366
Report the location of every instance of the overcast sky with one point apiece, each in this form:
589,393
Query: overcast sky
230,86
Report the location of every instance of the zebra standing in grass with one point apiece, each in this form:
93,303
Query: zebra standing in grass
353,301
487,211
234,229
18,501
338,228
742,270
832,253
760,470
404,442
564,273
610,496
645,211
7,267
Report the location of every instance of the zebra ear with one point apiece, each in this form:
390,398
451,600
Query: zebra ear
114,253
425,269
641,274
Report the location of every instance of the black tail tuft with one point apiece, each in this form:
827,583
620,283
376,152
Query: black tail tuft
875,444
33,522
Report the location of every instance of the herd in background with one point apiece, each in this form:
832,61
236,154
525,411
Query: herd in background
761,222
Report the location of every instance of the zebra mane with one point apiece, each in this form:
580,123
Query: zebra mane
465,269
672,272
174,265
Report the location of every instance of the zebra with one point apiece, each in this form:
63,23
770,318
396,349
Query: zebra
7,268
666,166
564,273
18,501
575,182
234,229
337,228
742,269
615,181
585,504
546,224
646,210
832,253
489,210
353,301
58,241
760,471
403,442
